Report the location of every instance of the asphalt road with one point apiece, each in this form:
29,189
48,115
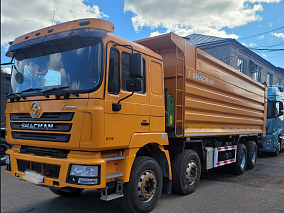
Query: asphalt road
258,190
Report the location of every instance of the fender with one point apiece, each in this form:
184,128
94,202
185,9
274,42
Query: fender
139,140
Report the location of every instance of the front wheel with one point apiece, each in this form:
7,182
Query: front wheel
69,192
276,153
142,192
239,167
186,170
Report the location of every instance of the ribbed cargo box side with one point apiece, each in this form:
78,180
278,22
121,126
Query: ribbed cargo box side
221,100
211,98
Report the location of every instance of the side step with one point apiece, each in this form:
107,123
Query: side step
118,194
111,197
114,175
114,158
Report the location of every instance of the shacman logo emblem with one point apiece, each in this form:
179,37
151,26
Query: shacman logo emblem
35,110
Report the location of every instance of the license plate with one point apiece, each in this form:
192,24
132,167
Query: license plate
33,177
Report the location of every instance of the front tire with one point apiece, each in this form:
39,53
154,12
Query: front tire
276,153
186,170
252,154
4,148
142,192
71,192
239,166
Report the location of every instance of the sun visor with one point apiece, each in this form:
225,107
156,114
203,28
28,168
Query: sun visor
82,32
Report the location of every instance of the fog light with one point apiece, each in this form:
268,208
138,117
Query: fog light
7,159
88,181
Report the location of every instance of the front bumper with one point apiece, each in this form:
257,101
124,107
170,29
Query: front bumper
268,147
63,163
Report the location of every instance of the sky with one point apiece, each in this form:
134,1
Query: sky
254,23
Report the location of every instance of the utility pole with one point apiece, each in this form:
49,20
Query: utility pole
53,17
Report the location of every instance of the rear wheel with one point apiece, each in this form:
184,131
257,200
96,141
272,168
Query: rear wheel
251,154
186,170
68,192
142,192
239,166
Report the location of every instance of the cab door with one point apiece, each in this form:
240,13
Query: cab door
134,116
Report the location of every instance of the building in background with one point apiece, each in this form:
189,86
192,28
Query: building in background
239,57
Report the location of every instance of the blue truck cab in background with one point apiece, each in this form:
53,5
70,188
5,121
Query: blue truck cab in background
273,141
5,85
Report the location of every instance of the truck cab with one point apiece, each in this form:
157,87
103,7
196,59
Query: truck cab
273,141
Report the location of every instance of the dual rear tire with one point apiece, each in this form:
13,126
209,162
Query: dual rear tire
245,159
186,171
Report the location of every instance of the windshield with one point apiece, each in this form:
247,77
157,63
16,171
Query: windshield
73,64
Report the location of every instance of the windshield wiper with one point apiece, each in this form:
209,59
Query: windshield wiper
37,90
14,94
56,88
31,89
59,91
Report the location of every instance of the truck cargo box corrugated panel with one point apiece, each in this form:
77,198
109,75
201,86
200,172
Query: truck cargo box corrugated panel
222,100
211,98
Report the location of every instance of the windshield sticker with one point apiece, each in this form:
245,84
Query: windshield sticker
200,78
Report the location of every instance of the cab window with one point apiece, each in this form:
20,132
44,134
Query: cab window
125,66
114,72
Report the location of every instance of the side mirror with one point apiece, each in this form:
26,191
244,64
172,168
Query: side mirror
136,65
133,85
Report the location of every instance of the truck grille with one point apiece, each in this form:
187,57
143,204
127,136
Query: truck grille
60,127
48,170
25,123
41,136
61,116
39,151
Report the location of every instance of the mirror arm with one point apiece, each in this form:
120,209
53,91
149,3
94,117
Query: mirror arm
117,107
9,62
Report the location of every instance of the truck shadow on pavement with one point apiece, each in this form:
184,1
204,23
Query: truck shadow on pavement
87,201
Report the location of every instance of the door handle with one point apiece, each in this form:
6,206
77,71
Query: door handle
145,123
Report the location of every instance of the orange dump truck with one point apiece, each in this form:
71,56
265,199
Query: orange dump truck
90,110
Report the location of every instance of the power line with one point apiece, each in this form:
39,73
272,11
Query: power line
266,49
260,34
276,56
279,44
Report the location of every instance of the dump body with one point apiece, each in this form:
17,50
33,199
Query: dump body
211,97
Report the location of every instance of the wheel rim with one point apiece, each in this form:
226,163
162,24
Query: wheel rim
147,186
191,172
253,155
243,159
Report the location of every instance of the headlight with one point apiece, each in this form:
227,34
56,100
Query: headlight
7,159
84,171
268,141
